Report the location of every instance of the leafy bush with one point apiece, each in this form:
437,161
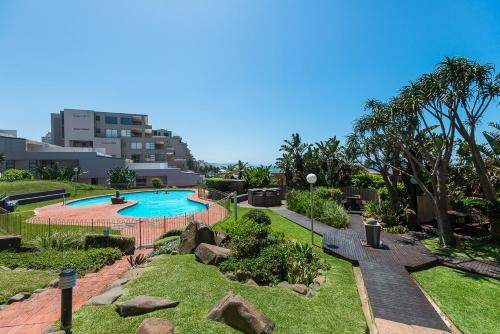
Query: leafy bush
137,260
168,247
82,261
367,181
174,232
13,174
371,209
121,178
162,241
396,229
328,193
468,203
224,185
302,264
125,244
257,177
384,213
157,182
247,238
59,241
325,206
258,216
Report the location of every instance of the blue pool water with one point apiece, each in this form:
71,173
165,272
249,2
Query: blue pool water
151,204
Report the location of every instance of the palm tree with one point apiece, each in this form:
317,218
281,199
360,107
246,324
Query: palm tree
295,149
240,168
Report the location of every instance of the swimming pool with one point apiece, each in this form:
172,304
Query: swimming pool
151,203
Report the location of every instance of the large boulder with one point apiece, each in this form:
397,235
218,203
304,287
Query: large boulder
155,326
10,242
18,297
299,288
211,254
108,297
235,311
221,239
195,234
143,304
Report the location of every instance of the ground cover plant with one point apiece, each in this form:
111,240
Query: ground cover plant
469,300
82,261
12,282
198,287
477,249
326,205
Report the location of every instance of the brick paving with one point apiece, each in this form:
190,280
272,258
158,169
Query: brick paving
486,268
41,310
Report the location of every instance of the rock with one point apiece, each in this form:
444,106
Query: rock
18,297
108,297
143,304
38,291
321,279
314,286
221,239
118,282
4,268
252,282
54,283
310,293
211,254
235,311
153,258
10,242
53,330
195,234
299,288
132,273
155,326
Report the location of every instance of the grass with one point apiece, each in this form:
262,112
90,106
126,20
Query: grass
471,301
12,282
334,309
473,249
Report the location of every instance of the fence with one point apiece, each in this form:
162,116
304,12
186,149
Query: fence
144,230
367,194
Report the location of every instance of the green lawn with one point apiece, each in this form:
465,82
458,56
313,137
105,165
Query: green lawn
12,282
473,249
471,301
334,309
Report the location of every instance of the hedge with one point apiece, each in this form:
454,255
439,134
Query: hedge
367,181
82,261
125,244
225,185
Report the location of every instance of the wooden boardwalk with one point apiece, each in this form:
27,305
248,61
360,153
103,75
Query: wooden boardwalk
393,295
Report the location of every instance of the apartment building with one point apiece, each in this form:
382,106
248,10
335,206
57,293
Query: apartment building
129,136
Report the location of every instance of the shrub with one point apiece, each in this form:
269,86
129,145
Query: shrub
174,232
468,203
367,181
125,244
82,261
160,242
59,241
302,264
121,178
384,213
371,209
334,214
168,247
328,193
225,185
257,177
13,174
247,238
157,182
396,229
268,268
137,260
258,216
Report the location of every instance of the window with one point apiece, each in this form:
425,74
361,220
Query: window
111,133
149,146
98,118
111,120
97,131
126,120
10,164
149,157
33,164
136,146
125,133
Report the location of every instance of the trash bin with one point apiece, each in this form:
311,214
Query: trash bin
372,230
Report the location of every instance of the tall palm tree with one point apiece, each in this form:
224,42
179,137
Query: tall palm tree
295,148
240,168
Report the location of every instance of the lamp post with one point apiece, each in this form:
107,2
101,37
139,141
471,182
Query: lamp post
311,179
76,177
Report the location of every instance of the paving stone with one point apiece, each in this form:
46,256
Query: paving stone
108,297
155,326
144,304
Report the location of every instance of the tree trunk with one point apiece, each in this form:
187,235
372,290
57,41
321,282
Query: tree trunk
393,191
440,200
484,180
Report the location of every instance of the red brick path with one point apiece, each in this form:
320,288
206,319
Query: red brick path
36,314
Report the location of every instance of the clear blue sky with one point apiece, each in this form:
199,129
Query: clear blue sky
234,78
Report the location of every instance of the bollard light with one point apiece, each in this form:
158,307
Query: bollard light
67,281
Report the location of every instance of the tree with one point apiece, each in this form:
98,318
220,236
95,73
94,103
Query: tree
293,151
2,158
379,151
240,168
121,178
467,89
257,177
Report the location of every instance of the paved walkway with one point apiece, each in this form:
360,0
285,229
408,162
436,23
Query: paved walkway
397,303
38,313
486,268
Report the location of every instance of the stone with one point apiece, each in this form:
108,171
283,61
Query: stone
310,293
211,254
108,297
119,282
38,291
153,258
132,273
299,288
195,234
238,313
4,268
155,326
143,304
221,239
10,242
252,282
18,297
321,279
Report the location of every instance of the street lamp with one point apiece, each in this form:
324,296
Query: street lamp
76,177
311,179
